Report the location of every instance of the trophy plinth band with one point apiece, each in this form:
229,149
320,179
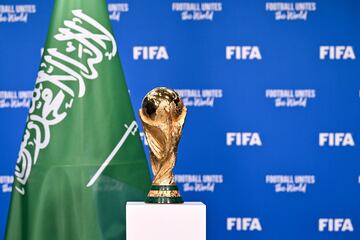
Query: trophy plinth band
164,194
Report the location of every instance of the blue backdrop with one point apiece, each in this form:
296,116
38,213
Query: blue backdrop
271,141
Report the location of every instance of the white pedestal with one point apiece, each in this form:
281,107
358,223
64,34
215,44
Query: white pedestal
185,221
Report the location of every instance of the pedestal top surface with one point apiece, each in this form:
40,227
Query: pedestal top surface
156,204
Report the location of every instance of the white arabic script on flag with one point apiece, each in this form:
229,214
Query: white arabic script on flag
54,92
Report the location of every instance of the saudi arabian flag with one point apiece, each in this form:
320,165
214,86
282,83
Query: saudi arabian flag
81,158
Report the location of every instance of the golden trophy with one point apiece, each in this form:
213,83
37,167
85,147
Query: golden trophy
162,115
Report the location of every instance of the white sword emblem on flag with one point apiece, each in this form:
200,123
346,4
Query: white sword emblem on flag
130,129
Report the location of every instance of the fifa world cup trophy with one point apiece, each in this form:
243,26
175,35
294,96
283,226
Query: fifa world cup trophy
162,115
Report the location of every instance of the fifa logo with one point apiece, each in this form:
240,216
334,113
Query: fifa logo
335,225
336,139
150,53
337,52
243,53
243,224
243,139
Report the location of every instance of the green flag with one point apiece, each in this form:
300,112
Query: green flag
81,157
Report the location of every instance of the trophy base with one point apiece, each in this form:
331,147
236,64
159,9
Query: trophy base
164,194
